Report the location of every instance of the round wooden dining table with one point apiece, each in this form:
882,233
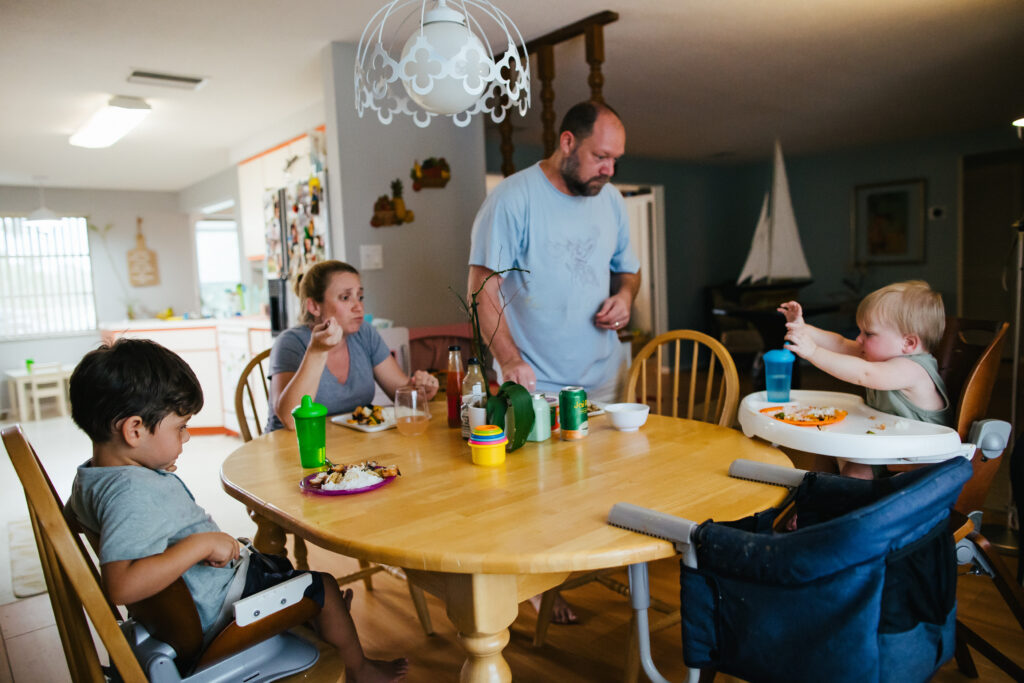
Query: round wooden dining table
483,539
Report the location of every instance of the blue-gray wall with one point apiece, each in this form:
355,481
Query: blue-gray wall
711,211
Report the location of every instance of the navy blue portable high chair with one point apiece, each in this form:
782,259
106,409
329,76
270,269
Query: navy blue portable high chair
864,589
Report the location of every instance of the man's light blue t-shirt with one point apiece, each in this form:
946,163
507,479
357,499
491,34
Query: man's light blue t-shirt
366,350
570,245
138,512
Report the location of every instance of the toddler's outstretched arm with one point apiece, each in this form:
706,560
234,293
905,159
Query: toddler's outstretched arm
893,374
828,340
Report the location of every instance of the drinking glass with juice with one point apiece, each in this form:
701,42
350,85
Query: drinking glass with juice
412,414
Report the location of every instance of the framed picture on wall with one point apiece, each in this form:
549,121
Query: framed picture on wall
888,222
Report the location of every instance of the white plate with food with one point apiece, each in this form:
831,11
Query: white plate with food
367,418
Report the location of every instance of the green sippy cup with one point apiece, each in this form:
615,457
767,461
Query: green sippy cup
311,432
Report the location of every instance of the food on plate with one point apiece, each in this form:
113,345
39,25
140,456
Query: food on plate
369,416
810,416
349,477
593,407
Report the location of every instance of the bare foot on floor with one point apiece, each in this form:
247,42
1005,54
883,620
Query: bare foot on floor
561,612
379,671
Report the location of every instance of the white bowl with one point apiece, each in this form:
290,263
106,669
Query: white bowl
627,417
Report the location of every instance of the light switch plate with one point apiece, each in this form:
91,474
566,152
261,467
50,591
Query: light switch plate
371,257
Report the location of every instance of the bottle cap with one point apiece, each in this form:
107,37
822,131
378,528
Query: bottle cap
309,409
473,361
454,348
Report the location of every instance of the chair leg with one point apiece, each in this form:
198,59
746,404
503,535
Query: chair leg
993,655
547,606
368,579
962,654
419,601
632,672
301,553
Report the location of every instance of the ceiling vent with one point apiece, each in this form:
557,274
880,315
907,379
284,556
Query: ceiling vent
166,80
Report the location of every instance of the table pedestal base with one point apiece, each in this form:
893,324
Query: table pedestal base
482,607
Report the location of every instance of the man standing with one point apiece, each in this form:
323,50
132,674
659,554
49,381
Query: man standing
561,220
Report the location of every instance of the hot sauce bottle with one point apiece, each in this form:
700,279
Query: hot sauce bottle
454,387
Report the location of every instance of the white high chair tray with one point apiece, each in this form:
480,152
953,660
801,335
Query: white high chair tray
865,436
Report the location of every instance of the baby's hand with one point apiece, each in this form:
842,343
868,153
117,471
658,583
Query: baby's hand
223,549
798,341
327,335
793,312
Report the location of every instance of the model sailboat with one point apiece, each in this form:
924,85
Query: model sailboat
775,252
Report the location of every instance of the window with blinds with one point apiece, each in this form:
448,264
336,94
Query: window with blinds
46,285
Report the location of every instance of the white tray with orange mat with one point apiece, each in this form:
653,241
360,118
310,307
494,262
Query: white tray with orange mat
862,435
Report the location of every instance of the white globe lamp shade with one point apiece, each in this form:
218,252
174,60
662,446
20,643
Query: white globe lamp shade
445,67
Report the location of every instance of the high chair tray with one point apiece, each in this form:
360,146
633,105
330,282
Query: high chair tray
865,435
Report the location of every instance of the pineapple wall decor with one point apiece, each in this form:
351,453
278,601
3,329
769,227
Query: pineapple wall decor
391,210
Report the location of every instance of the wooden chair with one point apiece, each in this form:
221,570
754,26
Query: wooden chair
969,355
718,398
78,600
252,397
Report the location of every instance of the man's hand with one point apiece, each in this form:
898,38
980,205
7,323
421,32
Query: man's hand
326,335
793,311
520,372
614,313
222,549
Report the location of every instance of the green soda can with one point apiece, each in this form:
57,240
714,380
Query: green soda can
572,413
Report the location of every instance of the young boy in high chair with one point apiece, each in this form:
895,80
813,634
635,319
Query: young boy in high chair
899,325
134,399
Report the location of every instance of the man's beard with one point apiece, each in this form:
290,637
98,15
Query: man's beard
577,186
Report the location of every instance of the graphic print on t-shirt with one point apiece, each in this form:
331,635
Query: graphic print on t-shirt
577,258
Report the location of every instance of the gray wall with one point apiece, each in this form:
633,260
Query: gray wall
424,258
711,211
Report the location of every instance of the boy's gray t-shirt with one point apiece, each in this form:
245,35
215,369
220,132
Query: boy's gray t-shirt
366,350
138,512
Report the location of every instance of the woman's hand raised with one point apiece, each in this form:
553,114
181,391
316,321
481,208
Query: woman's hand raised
326,335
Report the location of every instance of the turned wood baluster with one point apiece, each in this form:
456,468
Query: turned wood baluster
546,71
595,57
508,167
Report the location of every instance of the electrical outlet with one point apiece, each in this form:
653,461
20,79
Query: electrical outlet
371,257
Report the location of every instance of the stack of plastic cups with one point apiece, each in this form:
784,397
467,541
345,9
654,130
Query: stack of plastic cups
488,445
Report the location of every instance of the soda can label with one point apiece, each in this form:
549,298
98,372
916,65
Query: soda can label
572,408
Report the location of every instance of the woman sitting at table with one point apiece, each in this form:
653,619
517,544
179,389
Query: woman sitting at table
334,355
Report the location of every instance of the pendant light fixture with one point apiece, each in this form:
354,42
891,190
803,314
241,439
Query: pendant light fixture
445,67
42,213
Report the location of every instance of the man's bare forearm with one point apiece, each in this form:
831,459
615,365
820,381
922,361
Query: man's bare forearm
623,283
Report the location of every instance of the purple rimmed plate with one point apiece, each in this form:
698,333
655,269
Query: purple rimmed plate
304,485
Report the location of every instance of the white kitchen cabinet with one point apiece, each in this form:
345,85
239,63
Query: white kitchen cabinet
216,350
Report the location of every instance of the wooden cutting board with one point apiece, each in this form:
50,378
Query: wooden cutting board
142,265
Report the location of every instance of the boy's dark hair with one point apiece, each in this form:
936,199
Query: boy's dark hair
580,118
131,377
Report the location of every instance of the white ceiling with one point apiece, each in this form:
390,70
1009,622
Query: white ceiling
693,79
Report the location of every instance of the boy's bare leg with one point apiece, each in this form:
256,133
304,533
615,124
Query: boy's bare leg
856,470
561,613
334,624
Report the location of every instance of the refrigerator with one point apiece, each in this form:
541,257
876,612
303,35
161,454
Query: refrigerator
297,236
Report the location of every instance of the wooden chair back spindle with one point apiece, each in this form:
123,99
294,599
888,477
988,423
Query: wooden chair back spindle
254,373
719,393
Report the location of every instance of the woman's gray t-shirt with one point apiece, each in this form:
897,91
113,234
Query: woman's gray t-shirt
366,350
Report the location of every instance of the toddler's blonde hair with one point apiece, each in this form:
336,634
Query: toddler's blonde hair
911,307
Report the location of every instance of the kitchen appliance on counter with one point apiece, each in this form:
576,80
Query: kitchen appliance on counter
297,236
